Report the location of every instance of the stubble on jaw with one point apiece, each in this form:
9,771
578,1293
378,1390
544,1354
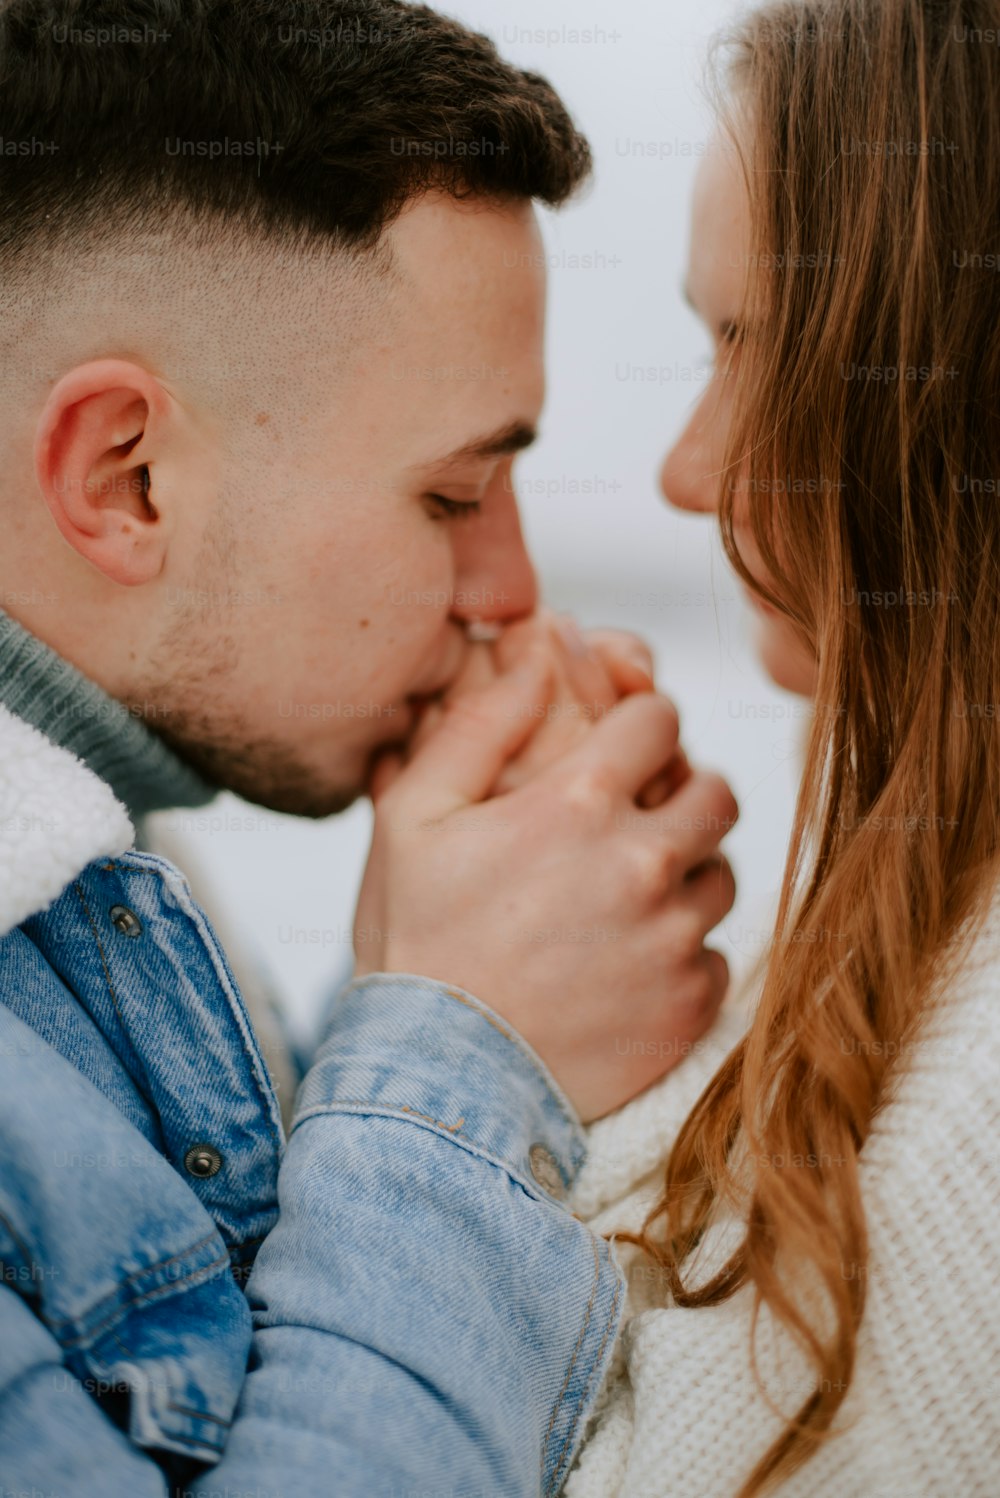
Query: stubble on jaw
260,770
183,700
185,696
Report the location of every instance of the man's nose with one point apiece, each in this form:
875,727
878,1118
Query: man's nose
495,579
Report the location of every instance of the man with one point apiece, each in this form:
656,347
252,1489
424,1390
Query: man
271,338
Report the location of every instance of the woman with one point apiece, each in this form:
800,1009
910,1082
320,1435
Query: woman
814,1274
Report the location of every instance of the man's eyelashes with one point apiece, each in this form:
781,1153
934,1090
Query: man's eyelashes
459,509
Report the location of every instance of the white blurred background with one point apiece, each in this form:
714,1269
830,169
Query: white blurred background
606,545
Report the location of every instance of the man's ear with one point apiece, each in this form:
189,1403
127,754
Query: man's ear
95,460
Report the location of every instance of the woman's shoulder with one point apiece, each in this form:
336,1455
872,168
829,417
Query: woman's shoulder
957,1038
936,1138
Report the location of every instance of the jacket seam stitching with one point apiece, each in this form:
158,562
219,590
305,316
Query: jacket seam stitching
182,1409
100,947
138,1274
358,1107
140,1081
146,1299
221,977
227,982
448,1128
575,1354
195,1441
18,1242
567,1444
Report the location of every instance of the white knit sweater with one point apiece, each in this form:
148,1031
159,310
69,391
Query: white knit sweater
681,1415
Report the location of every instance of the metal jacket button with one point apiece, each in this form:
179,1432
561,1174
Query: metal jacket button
125,921
546,1172
202,1161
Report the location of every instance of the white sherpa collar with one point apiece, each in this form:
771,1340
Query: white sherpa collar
56,816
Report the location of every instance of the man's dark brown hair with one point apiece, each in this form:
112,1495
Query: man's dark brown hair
317,119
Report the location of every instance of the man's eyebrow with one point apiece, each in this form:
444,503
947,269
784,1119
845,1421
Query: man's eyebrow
512,438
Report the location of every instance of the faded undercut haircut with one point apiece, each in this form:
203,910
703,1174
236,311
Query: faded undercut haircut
295,120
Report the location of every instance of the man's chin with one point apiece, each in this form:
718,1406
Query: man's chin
315,803
293,797
270,775
298,790
282,784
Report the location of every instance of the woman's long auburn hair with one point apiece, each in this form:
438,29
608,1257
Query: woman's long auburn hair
864,456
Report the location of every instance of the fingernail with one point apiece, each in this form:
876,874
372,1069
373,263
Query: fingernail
482,631
571,636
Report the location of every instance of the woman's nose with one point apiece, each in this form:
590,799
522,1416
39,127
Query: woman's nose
687,479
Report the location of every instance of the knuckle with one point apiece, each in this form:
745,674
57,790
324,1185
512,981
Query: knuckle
663,713
713,806
723,804
717,972
727,889
671,867
705,995
644,872
667,855
630,644
696,998
687,936
653,712
589,792
720,887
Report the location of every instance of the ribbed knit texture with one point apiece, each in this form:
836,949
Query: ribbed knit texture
681,1414
54,697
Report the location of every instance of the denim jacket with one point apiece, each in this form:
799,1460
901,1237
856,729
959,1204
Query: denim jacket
394,1303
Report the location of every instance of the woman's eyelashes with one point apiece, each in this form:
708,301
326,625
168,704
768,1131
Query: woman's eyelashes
727,339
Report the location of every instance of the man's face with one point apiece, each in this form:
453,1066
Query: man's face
335,584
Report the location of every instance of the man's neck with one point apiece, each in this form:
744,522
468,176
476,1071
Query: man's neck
74,712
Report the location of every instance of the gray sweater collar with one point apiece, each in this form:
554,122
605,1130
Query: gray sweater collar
78,715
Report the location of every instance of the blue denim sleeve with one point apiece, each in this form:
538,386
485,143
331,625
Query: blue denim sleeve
47,1419
429,1318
